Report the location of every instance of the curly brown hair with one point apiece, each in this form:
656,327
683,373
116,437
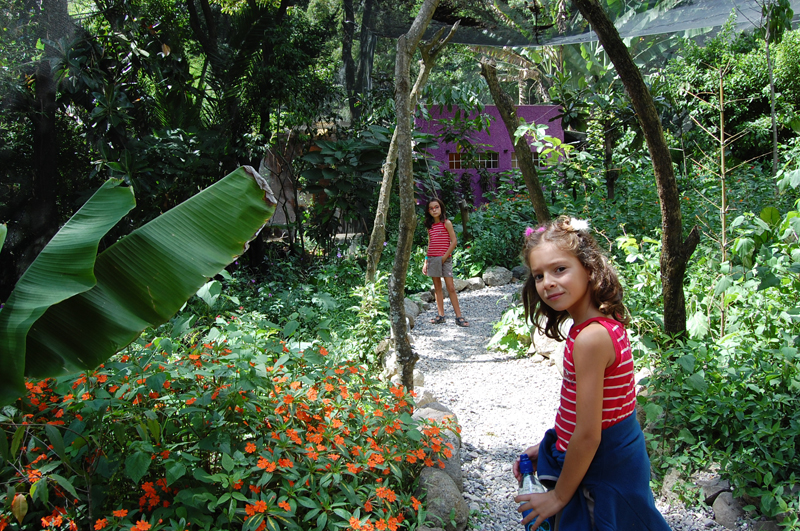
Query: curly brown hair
604,286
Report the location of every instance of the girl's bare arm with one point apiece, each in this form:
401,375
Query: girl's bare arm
453,241
593,352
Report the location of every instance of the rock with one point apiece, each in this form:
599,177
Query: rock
475,283
443,498
411,307
766,525
520,272
423,398
497,276
672,478
460,284
713,487
727,510
426,296
426,528
410,322
419,378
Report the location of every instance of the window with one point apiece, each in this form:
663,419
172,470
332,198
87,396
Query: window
488,159
454,160
515,163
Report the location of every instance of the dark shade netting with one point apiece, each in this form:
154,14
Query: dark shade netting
499,25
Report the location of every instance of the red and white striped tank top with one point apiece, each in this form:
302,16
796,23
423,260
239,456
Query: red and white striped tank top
439,240
619,391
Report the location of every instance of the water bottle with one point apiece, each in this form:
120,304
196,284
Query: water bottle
530,484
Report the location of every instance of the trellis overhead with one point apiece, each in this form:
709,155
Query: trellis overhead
495,23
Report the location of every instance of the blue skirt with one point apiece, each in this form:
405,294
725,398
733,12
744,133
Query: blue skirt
617,483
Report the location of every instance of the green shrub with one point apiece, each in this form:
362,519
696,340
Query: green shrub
235,432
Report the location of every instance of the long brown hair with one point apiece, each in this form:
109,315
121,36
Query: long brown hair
428,218
604,286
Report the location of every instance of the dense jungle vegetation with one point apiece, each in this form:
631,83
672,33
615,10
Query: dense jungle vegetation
256,404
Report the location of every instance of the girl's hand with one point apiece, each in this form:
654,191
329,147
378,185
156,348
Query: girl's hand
533,453
542,506
425,268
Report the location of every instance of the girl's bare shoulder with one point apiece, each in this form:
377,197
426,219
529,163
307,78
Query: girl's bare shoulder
596,340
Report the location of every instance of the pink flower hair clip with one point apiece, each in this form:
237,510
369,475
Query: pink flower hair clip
531,230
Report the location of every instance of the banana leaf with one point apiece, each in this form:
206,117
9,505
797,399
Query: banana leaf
73,309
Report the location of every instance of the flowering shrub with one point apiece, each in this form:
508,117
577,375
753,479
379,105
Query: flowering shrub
239,433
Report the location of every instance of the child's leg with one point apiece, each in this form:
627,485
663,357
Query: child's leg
451,290
437,287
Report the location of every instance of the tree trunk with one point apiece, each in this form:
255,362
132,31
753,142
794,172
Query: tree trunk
675,251
609,142
35,216
505,105
406,46
348,30
429,52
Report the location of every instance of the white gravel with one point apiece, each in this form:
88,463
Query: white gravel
503,404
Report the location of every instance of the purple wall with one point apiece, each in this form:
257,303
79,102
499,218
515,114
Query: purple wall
497,136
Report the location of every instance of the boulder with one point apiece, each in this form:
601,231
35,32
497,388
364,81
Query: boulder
412,308
497,276
452,465
419,378
423,398
475,283
460,284
442,498
426,296
520,273
727,510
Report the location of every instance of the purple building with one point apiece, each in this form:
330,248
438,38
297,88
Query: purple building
498,153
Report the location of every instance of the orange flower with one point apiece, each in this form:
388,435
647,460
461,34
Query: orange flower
141,525
121,513
285,463
260,506
191,401
355,523
415,503
285,506
250,448
100,524
324,352
385,493
288,399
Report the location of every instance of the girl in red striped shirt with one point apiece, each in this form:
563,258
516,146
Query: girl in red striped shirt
439,260
595,458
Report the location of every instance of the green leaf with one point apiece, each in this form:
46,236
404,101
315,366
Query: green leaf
227,463
3,232
141,280
722,286
687,362
175,471
697,325
771,216
66,485
63,269
136,466
697,382
57,441
290,328
210,292
16,441
4,446
686,436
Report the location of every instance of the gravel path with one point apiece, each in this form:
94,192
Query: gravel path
503,404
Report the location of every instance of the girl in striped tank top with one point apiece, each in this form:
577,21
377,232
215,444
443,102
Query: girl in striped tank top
594,459
439,259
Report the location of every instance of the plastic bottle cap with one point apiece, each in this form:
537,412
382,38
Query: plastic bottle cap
525,464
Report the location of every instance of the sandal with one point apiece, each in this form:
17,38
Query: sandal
439,319
460,321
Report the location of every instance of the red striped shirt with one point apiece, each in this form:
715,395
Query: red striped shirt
619,391
439,239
